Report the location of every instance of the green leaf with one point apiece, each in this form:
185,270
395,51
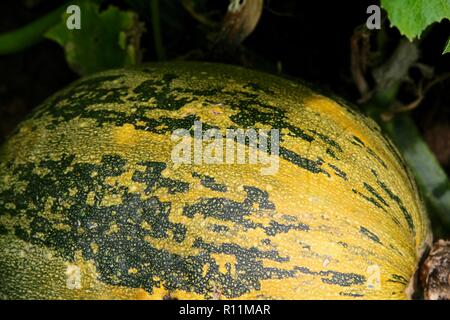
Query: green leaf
106,40
412,17
431,178
447,47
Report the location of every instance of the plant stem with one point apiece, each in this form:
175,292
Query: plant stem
26,36
156,25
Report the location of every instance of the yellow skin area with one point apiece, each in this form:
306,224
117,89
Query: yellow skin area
330,207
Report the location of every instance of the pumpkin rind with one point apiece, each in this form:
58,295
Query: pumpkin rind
91,205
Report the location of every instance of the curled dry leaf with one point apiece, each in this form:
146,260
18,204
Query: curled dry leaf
435,272
240,20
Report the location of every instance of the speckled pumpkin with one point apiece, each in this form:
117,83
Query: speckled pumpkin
92,206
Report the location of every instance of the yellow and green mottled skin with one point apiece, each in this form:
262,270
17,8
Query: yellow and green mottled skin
92,206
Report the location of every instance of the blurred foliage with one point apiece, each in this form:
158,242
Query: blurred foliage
107,39
27,36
